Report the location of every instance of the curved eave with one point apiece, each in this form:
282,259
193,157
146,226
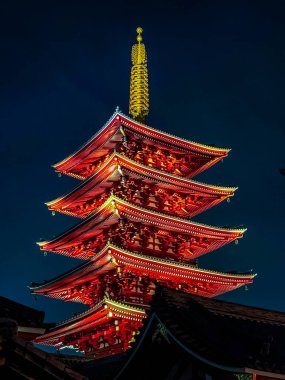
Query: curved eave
96,136
78,270
148,263
148,173
181,266
142,214
90,319
110,303
168,139
173,219
172,139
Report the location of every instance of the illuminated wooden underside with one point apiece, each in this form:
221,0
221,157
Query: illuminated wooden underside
136,230
87,159
164,192
88,278
105,329
140,229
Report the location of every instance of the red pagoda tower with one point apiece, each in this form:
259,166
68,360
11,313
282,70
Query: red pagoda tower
136,201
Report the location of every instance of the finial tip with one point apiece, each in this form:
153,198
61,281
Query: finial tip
139,30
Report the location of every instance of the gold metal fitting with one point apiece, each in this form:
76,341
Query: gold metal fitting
139,97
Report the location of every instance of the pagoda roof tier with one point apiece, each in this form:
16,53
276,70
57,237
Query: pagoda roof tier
204,282
75,242
105,141
102,321
78,202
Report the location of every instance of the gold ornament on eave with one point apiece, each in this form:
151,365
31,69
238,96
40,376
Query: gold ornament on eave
139,99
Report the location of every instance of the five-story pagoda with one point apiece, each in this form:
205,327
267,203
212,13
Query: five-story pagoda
137,200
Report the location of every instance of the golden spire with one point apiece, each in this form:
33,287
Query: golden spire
139,103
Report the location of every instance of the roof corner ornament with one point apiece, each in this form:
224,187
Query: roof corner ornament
139,96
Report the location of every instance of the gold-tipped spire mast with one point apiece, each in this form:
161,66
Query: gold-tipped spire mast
139,99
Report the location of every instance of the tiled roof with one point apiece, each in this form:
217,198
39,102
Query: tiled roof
184,331
225,333
24,315
20,360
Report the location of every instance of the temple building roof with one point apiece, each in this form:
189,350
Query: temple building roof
107,311
19,359
104,142
30,321
118,165
186,335
111,257
24,315
115,208
224,333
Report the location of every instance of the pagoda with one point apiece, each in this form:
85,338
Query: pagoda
136,201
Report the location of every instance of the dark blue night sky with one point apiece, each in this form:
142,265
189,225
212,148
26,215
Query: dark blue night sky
217,76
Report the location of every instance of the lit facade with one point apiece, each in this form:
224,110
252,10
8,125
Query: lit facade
136,202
